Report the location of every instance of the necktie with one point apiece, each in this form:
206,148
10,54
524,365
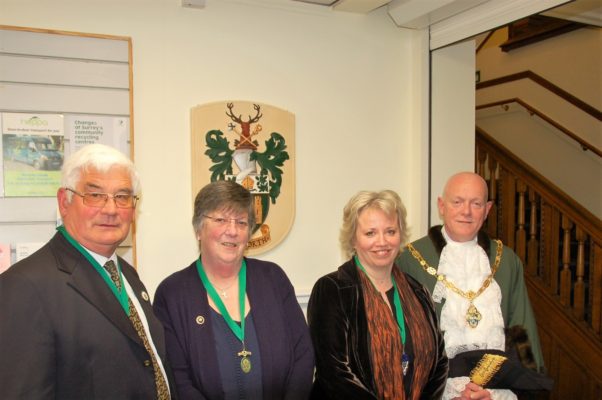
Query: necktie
162,390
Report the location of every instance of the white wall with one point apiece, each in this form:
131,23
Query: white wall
453,116
355,82
550,152
549,58
580,77
556,154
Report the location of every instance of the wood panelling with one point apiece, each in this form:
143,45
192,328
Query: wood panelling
560,244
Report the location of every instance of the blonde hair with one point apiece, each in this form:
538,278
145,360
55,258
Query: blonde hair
387,201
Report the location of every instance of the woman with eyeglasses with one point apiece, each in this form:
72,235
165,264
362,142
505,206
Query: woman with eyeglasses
374,328
233,326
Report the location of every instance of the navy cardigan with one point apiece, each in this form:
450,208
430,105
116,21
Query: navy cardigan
287,358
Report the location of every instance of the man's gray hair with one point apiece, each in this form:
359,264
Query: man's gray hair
99,157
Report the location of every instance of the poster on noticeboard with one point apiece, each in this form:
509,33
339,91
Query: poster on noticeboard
32,154
82,130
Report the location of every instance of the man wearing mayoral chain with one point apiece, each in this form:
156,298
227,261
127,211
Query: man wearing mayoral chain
479,292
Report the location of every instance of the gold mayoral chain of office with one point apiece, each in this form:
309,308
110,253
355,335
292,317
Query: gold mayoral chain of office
473,316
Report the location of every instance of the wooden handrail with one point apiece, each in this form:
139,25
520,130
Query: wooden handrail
594,112
554,195
560,245
585,145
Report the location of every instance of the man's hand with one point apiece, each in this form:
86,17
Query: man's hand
474,391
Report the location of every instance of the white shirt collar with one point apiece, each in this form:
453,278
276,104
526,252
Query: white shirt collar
450,241
467,266
102,260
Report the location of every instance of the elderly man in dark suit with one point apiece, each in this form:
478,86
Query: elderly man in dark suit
75,319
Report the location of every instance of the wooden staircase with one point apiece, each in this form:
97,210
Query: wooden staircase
560,243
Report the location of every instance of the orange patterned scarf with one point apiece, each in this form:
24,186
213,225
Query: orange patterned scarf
385,341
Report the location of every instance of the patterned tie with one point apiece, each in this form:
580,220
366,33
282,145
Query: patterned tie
162,390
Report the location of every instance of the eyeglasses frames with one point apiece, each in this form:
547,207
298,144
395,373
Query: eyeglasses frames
98,199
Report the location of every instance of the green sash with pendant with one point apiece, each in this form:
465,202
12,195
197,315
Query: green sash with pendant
239,331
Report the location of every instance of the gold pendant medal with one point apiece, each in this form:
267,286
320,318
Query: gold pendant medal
473,316
245,365
245,361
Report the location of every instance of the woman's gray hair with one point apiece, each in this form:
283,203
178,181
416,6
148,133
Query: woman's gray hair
225,196
99,157
387,201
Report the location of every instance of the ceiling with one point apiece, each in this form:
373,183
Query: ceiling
419,14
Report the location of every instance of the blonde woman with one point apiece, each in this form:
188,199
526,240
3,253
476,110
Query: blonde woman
374,328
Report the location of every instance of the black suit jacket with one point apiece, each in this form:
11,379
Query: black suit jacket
64,335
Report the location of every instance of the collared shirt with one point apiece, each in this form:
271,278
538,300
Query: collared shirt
134,299
466,265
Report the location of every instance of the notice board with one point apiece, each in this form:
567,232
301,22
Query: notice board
58,91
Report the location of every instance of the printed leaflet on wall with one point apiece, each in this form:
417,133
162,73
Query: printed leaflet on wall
87,129
32,150
4,257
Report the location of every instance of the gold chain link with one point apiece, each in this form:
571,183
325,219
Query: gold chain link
470,295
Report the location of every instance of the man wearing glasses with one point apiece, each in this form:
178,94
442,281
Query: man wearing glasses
75,319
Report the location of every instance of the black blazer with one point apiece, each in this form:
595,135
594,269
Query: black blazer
64,335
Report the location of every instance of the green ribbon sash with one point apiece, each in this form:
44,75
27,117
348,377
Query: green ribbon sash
120,294
239,331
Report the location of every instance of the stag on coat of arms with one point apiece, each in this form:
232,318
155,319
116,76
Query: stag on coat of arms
259,172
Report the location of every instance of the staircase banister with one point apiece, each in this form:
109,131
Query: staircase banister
585,145
528,74
549,191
